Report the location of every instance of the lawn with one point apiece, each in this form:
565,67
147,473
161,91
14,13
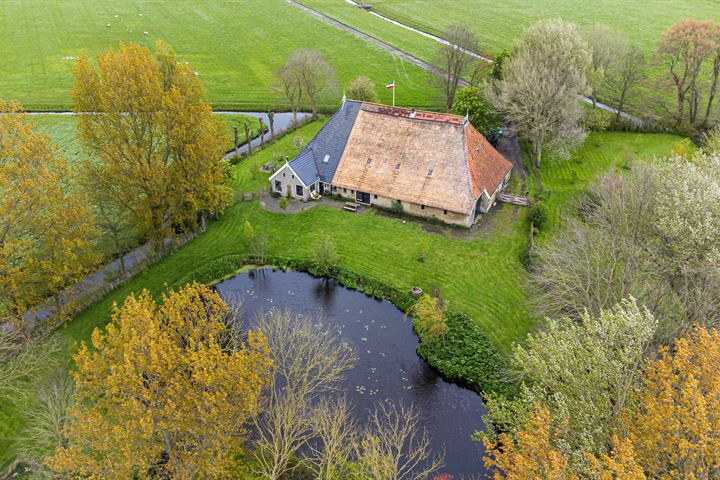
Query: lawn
482,276
62,131
236,46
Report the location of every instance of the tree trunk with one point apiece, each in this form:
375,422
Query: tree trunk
294,119
247,138
262,131
713,90
271,121
680,108
538,153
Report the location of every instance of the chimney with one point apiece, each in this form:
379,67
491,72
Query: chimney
412,113
287,159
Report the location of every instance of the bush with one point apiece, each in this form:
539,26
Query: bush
538,215
465,355
283,203
363,89
396,207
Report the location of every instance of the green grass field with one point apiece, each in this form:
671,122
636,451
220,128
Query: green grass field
236,46
62,131
482,277
498,24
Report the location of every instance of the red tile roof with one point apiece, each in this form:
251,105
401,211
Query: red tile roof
487,166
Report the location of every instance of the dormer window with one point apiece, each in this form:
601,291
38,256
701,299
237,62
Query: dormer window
369,161
326,159
397,166
430,172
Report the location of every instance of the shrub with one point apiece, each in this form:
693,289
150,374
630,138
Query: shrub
466,356
325,257
538,215
396,207
430,323
283,203
363,89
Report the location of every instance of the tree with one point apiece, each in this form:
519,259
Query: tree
620,464
430,322
46,224
362,89
394,446
540,84
309,361
534,453
470,101
605,45
453,56
335,432
159,395
625,76
715,77
585,371
675,429
683,48
154,136
325,256
306,73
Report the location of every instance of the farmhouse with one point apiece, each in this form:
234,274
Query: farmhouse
433,164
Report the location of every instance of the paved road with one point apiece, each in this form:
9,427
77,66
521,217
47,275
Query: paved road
425,65
282,122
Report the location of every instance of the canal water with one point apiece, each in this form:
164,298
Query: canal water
388,367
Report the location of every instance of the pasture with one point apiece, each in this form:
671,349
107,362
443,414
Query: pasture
235,47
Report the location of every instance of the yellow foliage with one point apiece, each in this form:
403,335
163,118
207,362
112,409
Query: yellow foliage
46,225
156,138
430,320
676,429
159,392
621,464
533,455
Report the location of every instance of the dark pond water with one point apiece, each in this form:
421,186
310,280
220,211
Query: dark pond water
388,367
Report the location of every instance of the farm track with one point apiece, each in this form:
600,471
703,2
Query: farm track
430,68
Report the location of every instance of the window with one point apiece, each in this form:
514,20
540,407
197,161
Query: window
362,197
278,186
369,161
444,212
283,174
397,166
422,207
430,172
293,177
312,187
352,191
326,159
299,191
375,197
344,190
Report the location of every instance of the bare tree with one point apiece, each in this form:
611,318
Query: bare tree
290,85
335,432
316,75
454,59
605,45
715,75
683,48
395,447
540,84
625,76
309,361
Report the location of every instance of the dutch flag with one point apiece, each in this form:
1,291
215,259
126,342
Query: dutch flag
390,85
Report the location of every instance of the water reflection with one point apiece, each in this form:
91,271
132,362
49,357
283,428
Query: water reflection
388,367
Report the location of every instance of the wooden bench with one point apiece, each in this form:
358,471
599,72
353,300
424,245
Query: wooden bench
351,206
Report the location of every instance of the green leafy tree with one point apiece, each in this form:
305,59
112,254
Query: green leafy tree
471,102
363,89
325,256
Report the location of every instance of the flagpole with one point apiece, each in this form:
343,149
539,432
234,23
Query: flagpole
393,89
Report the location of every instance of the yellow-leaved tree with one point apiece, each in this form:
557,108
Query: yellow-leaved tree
163,392
533,454
676,428
154,137
46,225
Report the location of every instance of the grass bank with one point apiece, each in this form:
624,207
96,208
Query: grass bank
480,276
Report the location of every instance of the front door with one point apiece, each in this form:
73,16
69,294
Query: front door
362,197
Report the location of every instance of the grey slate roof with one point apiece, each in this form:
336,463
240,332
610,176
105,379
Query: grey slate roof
309,165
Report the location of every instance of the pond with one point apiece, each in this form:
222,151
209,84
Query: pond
388,367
